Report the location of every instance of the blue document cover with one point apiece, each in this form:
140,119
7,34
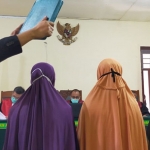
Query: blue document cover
40,9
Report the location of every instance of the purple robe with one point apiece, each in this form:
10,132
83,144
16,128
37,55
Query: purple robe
41,119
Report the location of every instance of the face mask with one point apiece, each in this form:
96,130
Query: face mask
74,100
13,99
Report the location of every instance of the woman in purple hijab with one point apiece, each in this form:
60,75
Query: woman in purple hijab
41,119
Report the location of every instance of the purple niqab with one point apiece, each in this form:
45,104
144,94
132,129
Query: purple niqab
41,119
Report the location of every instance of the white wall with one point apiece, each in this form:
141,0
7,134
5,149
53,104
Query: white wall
76,65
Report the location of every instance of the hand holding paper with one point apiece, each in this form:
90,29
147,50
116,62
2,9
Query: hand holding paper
41,8
40,31
43,29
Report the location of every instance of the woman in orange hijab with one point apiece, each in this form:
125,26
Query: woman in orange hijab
110,118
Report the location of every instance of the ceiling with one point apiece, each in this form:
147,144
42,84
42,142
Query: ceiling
127,10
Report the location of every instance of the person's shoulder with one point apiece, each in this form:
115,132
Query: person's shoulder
68,101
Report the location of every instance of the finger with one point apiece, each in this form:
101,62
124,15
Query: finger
13,33
50,32
51,23
50,28
20,25
45,18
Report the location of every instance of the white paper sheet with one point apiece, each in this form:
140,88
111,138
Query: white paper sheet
2,116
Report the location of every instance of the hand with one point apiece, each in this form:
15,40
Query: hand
17,30
43,29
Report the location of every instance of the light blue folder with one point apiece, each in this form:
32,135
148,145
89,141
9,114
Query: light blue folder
40,9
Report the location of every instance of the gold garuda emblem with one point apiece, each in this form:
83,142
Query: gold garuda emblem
67,33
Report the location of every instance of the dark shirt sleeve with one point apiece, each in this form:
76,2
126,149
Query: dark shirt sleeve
144,110
9,46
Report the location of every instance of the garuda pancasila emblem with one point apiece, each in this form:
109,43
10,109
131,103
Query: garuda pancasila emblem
67,33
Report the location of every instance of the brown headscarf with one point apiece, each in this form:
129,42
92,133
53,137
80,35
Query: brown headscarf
110,118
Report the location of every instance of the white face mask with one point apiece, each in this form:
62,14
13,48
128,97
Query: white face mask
40,76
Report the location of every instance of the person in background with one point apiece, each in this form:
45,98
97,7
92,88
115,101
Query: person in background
12,45
75,97
110,118
17,93
8,103
144,109
41,119
142,105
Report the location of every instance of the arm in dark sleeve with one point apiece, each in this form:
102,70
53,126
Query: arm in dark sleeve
9,46
144,110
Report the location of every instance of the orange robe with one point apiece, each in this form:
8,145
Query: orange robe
110,118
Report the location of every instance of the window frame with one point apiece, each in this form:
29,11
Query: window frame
144,50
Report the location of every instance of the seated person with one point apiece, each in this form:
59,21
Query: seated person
143,108
75,97
16,94
142,105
